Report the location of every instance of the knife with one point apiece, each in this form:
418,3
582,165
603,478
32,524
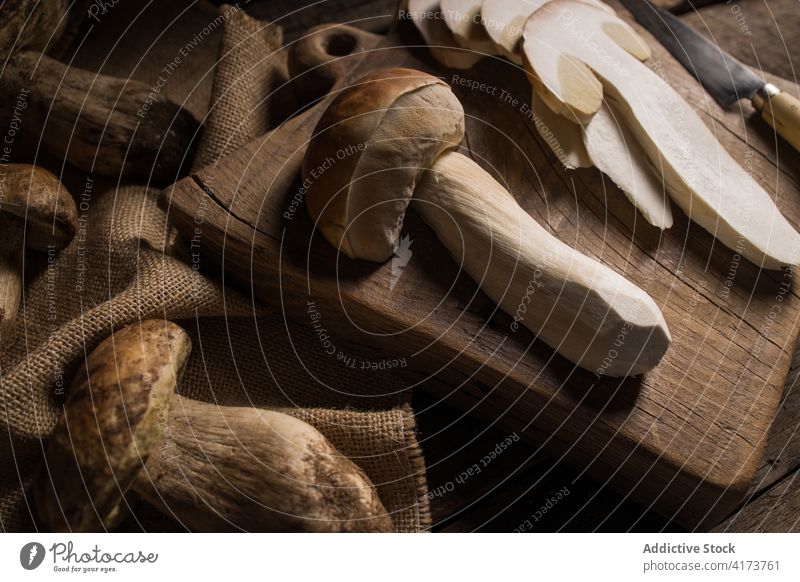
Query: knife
725,78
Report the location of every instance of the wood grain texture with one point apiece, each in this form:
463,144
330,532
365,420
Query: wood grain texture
782,453
761,33
685,439
777,510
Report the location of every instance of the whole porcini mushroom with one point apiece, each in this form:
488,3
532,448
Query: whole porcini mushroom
97,123
213,468
37,211
385,142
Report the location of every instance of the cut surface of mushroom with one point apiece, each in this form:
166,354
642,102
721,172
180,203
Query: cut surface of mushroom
463,18
504,21
428,19
213,468
628,167
615,151
564,137
581,307
575,52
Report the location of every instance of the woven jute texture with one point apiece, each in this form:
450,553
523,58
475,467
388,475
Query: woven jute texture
127,264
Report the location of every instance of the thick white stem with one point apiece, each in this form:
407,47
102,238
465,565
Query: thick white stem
229,468
582,309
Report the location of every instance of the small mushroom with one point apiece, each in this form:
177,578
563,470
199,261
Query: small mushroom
96,122
384,142
213,468
37,208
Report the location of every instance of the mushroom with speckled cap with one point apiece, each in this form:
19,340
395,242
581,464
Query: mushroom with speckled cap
35,207
213,468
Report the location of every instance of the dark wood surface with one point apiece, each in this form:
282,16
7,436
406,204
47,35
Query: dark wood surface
519,488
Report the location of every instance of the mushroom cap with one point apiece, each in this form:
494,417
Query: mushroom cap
368,150
113,419
38,197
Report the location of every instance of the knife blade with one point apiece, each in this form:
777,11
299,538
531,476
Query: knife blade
726,79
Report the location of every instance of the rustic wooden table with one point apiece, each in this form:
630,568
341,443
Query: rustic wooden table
483,479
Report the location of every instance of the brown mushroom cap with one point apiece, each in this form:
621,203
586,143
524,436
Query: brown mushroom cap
369,149
115,415
38,197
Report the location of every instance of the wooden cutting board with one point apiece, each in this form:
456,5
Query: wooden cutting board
685,438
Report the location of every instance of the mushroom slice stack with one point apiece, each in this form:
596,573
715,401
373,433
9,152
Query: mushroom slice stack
614,150
505,19
409,122
610,147
577,53
463,18
427,17
564,137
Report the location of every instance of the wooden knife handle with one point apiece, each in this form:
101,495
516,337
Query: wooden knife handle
782,111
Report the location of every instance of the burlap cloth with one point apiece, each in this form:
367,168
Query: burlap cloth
124,266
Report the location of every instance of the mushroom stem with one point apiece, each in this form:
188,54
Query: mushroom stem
213,468
11,249
578,306
255,470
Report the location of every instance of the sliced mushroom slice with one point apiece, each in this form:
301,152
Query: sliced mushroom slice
504,21
564,137
463,18
408,121
428,19
615,151
575,52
